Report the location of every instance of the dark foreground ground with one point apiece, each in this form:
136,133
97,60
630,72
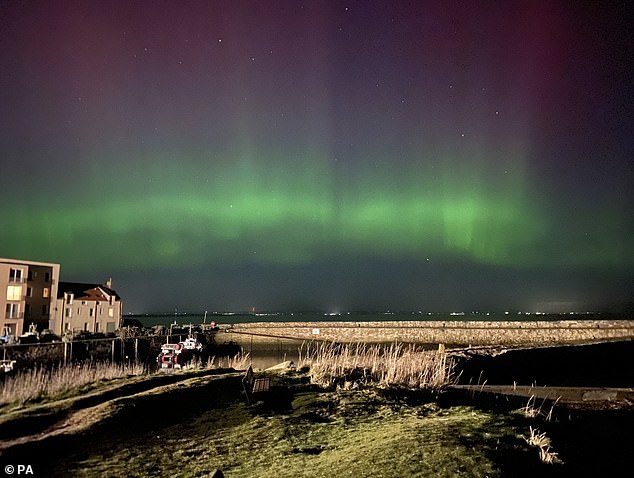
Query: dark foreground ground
187,425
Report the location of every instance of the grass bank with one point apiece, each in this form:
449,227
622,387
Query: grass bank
347,433
42,383
375,418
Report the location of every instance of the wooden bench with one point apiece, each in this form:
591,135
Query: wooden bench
254,385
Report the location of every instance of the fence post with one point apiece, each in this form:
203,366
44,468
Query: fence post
136,349
113,350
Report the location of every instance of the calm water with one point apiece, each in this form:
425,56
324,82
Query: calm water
184,319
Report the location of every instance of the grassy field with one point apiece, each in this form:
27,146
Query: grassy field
352,433
367,432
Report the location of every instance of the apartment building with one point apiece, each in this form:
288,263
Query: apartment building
27,293
86,307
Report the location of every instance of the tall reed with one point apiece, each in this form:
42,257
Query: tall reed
40,382
396,365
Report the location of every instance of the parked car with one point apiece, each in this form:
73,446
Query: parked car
48,335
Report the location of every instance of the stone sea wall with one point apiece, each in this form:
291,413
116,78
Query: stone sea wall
447,332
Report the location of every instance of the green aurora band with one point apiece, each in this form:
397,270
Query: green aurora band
270,211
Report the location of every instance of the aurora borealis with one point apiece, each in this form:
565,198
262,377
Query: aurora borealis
330,155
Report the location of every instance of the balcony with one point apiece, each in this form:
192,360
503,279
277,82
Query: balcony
17,280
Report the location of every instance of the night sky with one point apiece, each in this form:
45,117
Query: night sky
224,155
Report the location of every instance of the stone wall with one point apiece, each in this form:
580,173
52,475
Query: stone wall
448,332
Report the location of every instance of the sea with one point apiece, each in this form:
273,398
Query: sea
149,320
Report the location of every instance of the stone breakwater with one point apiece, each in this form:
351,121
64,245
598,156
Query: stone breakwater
447,332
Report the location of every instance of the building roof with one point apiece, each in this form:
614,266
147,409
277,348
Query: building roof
4,260
83,291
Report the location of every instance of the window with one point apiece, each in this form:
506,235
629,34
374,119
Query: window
91,312
110,327
31,275
14,292
45,293
29,292
47,277
68,313
110,312
67,326
86,326
96,326
15,275
13,311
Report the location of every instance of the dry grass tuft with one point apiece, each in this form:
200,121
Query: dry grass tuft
359,364
542,442
240,361
38,383
532,411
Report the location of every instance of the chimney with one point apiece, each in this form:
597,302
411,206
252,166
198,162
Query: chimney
108,283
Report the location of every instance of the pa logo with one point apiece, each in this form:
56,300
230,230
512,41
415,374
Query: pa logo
19,470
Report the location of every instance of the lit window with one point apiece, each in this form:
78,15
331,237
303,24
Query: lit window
110,312
14,292
45,293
